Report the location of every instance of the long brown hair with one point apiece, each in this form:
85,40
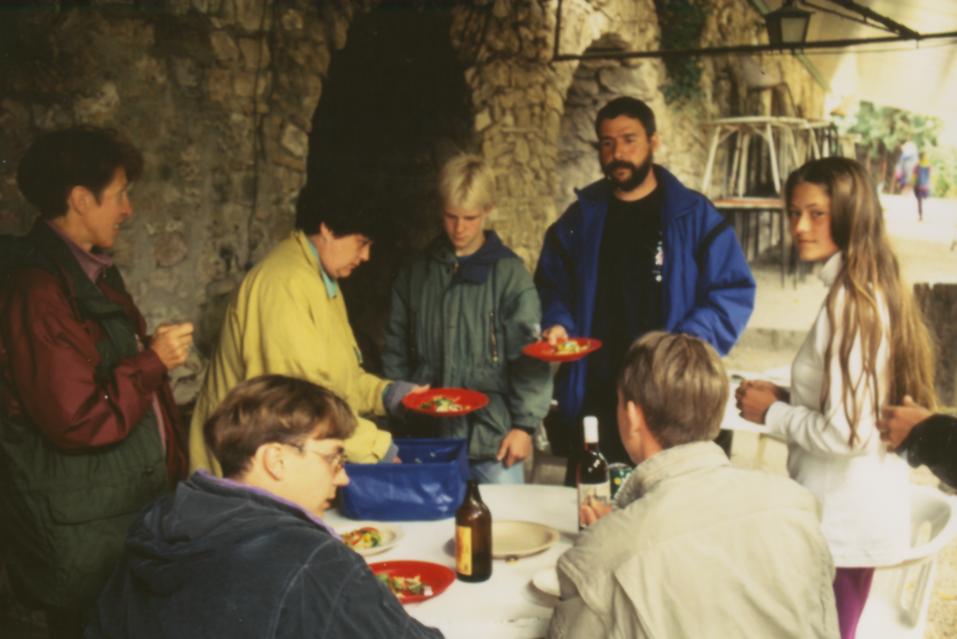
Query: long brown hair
869,276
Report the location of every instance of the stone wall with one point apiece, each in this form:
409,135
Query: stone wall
218,94
682,129
222,97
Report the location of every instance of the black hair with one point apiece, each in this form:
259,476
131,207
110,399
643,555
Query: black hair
84,156
631,107
341,203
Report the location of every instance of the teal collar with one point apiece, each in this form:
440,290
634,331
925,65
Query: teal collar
332,286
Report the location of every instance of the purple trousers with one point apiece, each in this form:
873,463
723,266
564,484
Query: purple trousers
851,587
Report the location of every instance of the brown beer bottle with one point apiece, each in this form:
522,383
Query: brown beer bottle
591,474
473,537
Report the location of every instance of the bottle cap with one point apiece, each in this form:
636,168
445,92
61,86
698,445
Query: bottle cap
591,429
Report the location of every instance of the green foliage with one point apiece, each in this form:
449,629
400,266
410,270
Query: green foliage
943,172
880,131
681,23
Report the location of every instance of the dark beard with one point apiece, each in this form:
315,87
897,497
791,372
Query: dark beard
638,173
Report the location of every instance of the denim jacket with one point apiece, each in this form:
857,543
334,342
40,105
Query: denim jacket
219,559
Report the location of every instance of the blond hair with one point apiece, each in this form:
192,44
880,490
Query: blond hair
870,275
466,182
679,383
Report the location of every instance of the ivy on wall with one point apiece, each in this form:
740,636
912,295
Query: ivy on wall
681,23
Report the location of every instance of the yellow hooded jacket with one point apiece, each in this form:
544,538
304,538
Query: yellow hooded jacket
284,321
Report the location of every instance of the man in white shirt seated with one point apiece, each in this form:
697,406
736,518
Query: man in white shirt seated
695,547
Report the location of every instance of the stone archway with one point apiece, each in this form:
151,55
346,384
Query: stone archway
222,97
394,106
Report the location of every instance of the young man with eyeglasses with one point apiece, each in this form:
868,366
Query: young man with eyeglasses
248,555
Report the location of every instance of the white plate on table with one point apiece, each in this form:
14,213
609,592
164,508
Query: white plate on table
547,582
390,535
520,538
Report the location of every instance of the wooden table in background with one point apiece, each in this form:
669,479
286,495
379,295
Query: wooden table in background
749,210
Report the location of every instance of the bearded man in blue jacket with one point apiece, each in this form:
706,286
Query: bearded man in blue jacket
637,252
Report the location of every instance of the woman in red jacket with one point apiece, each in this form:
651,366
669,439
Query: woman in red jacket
88,427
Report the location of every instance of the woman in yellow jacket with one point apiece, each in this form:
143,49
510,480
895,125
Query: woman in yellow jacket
288,317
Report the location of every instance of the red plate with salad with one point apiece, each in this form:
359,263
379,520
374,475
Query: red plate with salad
567,350
412,581
445,402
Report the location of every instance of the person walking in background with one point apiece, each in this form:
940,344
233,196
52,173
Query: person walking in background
89,430
697,547
461,313
922,183
637,252
904,171
868,346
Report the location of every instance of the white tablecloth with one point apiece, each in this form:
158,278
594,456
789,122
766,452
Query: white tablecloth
506,606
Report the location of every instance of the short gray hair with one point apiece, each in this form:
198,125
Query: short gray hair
680,384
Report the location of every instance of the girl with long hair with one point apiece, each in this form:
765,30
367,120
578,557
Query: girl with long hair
868,346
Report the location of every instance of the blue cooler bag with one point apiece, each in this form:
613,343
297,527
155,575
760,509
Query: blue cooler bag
428,484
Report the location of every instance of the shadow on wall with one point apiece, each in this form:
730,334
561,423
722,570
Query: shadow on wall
394,107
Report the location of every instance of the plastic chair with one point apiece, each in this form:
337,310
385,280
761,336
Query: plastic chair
900,594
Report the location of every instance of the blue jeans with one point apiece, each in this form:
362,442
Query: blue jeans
493,471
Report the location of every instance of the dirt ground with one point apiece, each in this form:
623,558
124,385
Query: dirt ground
783,315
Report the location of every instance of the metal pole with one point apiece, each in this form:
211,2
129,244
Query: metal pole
558,29
744,48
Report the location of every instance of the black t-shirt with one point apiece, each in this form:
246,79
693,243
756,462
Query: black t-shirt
627,300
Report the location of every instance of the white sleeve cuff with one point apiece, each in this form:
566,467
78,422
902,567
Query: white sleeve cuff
776,418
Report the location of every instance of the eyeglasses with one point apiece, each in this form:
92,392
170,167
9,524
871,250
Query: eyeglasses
336,460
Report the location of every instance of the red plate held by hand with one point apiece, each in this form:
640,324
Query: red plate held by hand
574,348
434,577
445,402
